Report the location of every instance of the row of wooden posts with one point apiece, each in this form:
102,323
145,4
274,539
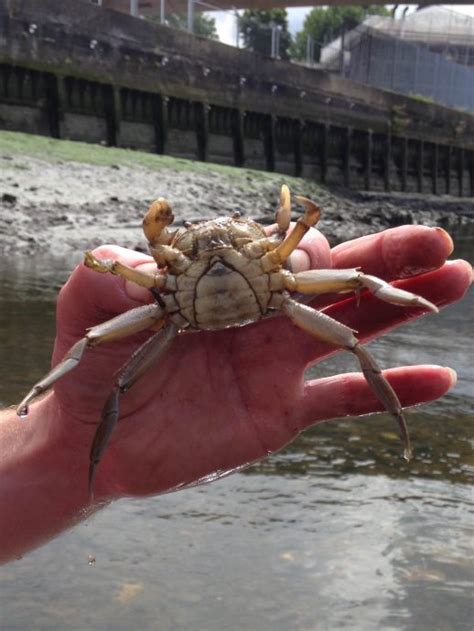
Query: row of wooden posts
332,154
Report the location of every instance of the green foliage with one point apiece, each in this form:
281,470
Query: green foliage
255,28
422,98
326,24
203,24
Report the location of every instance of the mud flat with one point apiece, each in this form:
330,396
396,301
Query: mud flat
59,197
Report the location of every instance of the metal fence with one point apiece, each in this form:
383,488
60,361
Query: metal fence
410,69
427,53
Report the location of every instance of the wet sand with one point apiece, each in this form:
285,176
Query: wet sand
60,207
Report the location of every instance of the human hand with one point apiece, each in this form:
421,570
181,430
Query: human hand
219,400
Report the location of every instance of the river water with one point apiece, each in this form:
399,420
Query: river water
335,532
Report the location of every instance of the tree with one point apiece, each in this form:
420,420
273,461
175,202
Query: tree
326,24
203,24
255,28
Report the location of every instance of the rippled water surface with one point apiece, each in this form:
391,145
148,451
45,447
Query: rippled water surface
334,532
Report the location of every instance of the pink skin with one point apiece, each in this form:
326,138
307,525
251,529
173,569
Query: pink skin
217,400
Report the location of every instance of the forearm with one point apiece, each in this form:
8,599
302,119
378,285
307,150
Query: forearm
43,474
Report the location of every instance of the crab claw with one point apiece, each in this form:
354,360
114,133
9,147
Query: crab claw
283,214
312,210
157,218
394,295
102,266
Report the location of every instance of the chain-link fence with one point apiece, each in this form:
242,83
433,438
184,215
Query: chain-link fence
428,54
411,69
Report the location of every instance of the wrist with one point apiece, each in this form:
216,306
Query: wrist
63,445
44,473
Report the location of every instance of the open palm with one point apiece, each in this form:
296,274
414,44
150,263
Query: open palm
219,400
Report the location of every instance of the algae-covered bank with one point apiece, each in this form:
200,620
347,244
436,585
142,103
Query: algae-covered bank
58,196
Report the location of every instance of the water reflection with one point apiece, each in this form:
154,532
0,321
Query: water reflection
340,532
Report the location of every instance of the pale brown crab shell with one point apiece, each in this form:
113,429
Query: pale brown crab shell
218,291
202,239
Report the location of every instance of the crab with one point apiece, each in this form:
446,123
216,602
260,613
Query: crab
221,273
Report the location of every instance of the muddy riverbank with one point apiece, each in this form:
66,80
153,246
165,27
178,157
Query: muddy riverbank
59,197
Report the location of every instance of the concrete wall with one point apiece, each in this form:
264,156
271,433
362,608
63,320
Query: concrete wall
75,70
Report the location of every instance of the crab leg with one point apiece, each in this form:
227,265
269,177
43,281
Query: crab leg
256,249
121,326
150,281
278,256
329,330
136,366
344,280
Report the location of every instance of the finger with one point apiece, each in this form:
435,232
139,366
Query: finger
396,253
89,298
374,317
350,394
441,287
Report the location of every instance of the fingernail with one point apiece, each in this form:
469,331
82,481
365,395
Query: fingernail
447,239
454,376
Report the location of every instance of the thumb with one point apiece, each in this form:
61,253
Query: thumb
89,298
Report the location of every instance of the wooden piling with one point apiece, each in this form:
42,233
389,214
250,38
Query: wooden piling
435,169
387,161
160,122
448,169
404,164
460,170
53,106
324,152
269,140
238,137
420,166
202,130
368,161
298,146
347,156
111,100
